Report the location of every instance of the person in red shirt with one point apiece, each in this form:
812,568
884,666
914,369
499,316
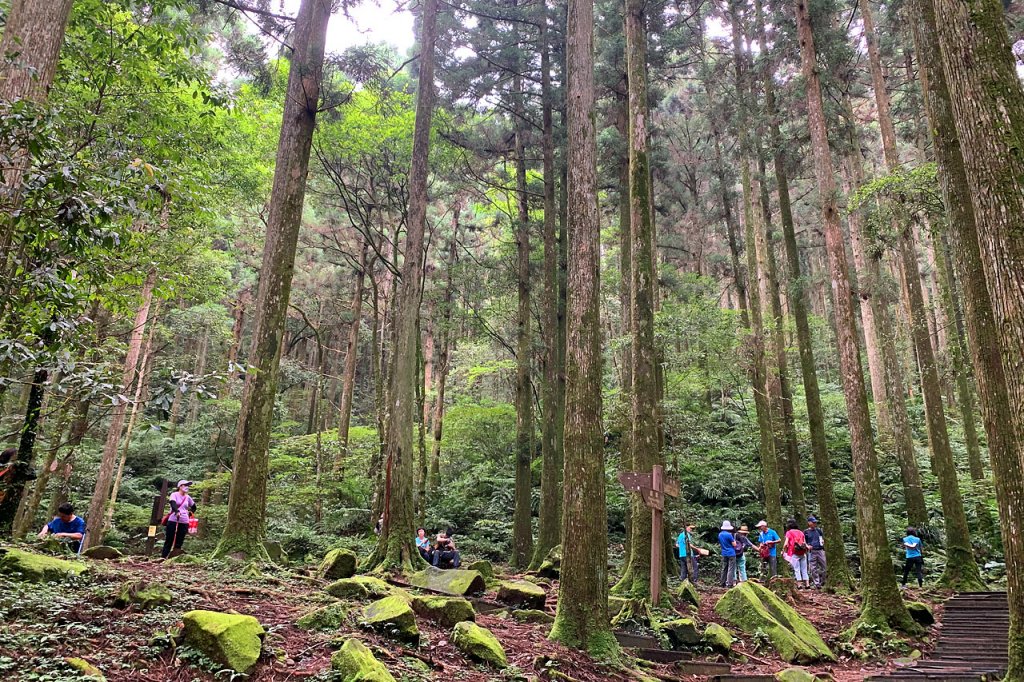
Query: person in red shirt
794,548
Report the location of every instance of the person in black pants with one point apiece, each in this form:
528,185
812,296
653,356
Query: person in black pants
182,507
914,561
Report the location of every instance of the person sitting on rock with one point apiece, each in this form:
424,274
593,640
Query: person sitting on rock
445,553
65,527
423,545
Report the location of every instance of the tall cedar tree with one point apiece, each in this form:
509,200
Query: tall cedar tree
395,549
582,618
986,99
348,383
247,504
882,605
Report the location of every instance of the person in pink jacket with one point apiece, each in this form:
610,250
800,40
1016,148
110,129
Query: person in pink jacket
794,548
182,507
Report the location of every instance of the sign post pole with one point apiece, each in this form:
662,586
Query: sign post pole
653,488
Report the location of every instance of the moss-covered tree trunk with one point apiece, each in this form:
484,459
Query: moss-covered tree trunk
974,115
443,352
245,527
395,550
881,602
348,381
582,618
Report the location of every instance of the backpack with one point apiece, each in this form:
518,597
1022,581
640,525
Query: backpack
765,551
799,548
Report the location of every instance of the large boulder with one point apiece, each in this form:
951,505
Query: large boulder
143,594
688,593
456,582
337,564
102,553
522,593
752,607
681,633
359,587
718,638
483,567
37,568
355,663
552,564
86,669
921,613
479,644
445,611
230,639
330,617
392,616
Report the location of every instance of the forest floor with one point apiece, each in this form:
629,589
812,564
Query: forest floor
41,625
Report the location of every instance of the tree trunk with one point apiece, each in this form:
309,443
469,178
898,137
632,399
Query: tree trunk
881,604
974,159
108,461
204,347
395,549
582,617
443,352
348,384
245,527
16,485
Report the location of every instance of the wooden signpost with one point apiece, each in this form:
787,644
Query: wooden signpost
653,488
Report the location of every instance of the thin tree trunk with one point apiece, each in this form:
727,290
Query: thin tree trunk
443,352
245,527
881,602
348,383
204,347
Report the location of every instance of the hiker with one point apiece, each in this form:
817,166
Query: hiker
176,522
728,543
423,545
912,546
795,550
379,526
767,540
816,565
65,527
687,555
743,543
445,553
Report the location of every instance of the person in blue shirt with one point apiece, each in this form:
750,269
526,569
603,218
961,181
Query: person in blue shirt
914,561
687,555
423,545
66,527
767,540
728,543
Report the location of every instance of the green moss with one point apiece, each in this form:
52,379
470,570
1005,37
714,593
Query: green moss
456,582
795,675
533,616
355,663
681,633
275,550
615,606
551,567
337,564
359,587
102,553
392,616
752,607
920,612
328,617
522,593
143,595
483,567
718,638
479,644
446,611
230,639
86,668
688,593
37,568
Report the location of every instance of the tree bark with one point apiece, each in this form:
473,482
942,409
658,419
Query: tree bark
582,617
881,602
444,352
245,527
348,383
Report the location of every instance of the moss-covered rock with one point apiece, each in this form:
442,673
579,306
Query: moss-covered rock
337,564
445,611
479,644
359,587
688,593
718,638
102,553
522,593
37,568
456,581
86,669
532,616
355,663
143,594
921,612
329,617
230,639
681,633
795,675
752,607
392,616
615,606
275,550
552,564
483,567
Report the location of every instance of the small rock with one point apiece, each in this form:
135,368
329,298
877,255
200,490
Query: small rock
688,593
355,663
682,633
479,643
921,613
551,567
615,606
483,567
143,594
718,638
915,654
230,639
328,617
522,593
394,617
338,563
445,611
359,587
37,568
102,553
532,616
275,550
794,675
87,669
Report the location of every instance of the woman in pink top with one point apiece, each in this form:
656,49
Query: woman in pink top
794,547
182,506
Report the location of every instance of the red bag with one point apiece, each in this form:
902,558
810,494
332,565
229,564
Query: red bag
193,526
765,551
163,521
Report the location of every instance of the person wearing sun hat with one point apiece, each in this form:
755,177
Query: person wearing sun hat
176,528
728,543
767,540
743,543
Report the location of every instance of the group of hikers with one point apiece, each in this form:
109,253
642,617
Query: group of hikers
803,550
441,553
